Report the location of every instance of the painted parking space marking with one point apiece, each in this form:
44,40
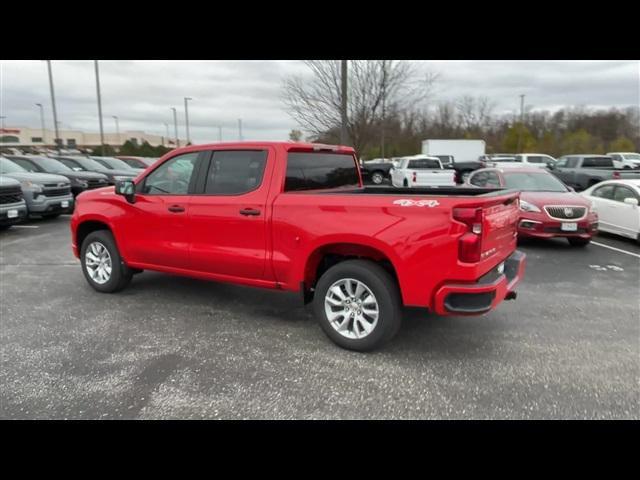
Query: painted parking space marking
614,248
25,226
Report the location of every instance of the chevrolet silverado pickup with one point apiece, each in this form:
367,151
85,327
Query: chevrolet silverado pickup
584,171
296,217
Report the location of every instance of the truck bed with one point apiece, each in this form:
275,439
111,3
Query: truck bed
429,191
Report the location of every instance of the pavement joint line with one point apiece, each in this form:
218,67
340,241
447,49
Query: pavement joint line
614,248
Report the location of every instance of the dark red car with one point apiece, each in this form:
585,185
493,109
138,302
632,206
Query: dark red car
548,208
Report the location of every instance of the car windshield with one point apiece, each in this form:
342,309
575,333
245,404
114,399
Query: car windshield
7,166
90,164
113,163
51,165
533,182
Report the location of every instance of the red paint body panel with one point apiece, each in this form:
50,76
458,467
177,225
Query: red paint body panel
280,247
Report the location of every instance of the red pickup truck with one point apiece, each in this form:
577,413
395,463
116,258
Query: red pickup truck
296,217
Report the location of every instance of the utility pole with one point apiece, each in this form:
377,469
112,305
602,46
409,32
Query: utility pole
167,127
521,124
384,94
175,124
219,133
95,63
343,107
115,117
57,140
240,129
186,118
44,142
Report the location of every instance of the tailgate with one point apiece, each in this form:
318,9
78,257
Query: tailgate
435,177
499,227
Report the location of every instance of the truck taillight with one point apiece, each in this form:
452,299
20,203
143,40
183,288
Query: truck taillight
470,243
415,177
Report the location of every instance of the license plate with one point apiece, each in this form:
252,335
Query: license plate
65,204
569,227
12,213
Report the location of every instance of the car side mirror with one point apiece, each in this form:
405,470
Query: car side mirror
571,189
127,189
551,166
631,201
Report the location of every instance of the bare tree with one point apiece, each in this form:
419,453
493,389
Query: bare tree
374,86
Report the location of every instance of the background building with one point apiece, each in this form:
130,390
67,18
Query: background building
34,137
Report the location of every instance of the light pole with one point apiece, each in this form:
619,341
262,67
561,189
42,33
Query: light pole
2,120
521,123
42,121
175,123
343,107
53,107
240,129
115,117
167,127
219,133
186,118
95,63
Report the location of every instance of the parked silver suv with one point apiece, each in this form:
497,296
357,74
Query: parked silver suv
46,194
13,208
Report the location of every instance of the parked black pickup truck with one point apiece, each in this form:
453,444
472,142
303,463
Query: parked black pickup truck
583,171
375,172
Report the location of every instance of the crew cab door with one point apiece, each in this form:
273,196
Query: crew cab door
155,229
562,170
228,215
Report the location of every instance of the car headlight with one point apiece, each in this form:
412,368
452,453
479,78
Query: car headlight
29,185
528,207
592,208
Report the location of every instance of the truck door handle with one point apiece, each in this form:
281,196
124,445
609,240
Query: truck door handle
176,208
250,212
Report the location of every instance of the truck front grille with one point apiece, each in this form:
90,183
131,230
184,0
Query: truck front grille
560,212
97,183
13,195
57,192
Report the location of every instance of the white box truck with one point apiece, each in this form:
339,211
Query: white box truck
461,155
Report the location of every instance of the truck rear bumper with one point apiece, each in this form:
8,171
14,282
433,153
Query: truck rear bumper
485,294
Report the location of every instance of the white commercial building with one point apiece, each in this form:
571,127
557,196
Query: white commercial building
35,137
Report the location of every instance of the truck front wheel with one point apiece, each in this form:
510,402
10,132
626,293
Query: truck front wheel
102,264
357,303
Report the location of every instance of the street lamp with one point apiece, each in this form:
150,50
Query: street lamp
220,133
175,123
41,121
167,137
57,140
95,63
186,118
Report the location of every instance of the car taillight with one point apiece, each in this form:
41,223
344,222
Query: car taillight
414,177
470,243
616,174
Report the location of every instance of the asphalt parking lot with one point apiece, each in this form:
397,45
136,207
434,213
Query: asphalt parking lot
169,347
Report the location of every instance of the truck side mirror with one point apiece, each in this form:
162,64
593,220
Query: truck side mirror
127,189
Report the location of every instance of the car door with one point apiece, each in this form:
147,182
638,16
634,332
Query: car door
562,171
625,217
156,225
228,215
602,197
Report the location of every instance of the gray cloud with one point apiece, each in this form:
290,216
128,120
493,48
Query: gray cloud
141,93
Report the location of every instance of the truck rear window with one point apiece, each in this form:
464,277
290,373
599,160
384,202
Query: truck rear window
310,171
420,164
597,162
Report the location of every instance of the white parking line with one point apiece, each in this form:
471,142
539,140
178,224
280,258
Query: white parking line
25,226
614,248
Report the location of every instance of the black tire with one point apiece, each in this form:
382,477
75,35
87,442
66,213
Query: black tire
384,288
51,215
579,242
405,183
120,273
377,177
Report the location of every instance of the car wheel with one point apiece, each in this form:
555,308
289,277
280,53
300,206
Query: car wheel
579,242
102,264
377,178
405,183
357,303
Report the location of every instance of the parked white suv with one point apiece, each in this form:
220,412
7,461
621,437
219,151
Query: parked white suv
625,159
537,160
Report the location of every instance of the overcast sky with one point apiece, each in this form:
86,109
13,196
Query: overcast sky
141,93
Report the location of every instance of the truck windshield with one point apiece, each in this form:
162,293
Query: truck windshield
533,182
51,165
423,164
113,163
311,171
7,166
632,156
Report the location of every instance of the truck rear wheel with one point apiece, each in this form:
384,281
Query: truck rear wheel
102,264
377,177
357,303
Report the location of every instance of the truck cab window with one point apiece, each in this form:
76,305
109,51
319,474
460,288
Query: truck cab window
235,172
172,177
309,171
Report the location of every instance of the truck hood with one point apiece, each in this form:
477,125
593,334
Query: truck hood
8,182
85,175
38,177
540,199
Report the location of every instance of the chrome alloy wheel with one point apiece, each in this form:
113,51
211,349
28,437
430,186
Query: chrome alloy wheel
351,308
98,262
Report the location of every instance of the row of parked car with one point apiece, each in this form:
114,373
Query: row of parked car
46,186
